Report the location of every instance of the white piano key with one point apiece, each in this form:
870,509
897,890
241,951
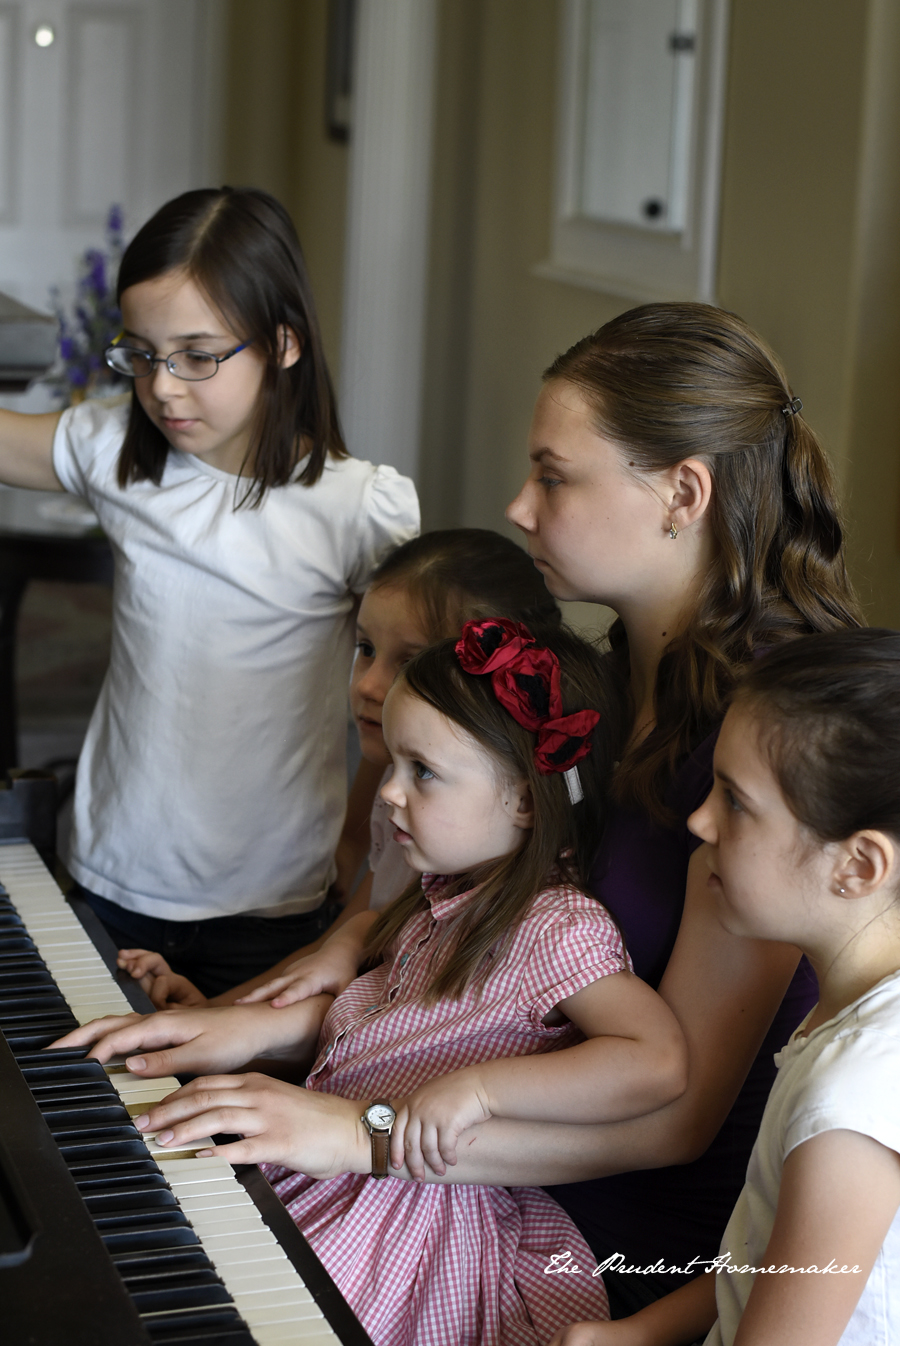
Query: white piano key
260,1282
219,1214
246,1224
289,1334
250,1241
282,1313
212,1187
221,1201
184,1171
136,1086
291,1295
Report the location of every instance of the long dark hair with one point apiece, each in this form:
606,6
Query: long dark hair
454,575
670,381
829,712
242,250
564,836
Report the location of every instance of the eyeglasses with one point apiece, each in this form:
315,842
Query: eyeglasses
192,366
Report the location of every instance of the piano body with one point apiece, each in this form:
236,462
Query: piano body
105,1239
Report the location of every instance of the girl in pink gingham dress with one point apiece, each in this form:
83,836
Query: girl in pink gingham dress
478,962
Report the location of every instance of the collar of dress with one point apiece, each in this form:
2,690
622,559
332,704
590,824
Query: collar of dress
442,908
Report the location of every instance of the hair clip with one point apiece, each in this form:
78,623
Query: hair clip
573,785
792,407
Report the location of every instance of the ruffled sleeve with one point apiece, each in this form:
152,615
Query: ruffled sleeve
388,515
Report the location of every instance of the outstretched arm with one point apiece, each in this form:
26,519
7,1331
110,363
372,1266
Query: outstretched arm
26,450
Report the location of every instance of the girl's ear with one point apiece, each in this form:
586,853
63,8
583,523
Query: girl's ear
519,804
867,861
290,345
690,488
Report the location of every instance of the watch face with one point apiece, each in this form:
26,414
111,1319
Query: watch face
381,1116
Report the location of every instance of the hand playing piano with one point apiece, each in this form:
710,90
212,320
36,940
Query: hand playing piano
314,1133
154,976
329,970
197,1041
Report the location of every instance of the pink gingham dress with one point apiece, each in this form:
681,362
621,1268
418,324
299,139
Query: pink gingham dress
451,1265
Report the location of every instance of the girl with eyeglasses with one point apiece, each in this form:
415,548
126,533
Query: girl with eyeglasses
211,787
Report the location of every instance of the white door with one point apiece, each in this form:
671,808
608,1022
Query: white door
102,102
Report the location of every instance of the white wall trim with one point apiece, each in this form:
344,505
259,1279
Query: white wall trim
385,277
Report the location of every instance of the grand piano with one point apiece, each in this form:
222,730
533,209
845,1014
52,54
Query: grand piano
105,1238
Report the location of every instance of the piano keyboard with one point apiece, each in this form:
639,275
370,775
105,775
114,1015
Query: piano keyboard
185,1234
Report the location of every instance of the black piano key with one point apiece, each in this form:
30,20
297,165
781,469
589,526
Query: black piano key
86,1173
53,1095
127,1221
199,1296
132,1198
122,1148
23,977
161,1259
211,1327
33,1042
47,1065
89,1111
142,1238
152,1277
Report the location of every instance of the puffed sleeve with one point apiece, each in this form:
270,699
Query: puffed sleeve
388,515
576,947
87,444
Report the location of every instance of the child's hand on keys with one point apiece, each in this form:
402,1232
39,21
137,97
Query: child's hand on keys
327,972
433,1117
154,976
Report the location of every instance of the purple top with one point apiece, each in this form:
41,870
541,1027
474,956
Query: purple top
680,1212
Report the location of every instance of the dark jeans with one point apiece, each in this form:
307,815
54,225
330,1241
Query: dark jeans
218,953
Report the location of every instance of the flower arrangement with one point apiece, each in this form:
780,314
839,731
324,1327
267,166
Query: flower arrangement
93,324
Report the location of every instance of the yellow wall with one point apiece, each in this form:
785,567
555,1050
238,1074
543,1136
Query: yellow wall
275,135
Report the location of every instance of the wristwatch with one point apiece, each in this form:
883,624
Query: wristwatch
378,1119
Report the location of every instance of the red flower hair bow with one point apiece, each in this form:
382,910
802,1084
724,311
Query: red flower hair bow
525,679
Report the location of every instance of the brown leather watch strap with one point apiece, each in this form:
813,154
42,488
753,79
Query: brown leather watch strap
381,1150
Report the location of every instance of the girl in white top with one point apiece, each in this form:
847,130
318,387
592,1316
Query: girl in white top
211,788
803,833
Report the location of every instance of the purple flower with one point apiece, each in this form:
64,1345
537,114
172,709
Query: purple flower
96,271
